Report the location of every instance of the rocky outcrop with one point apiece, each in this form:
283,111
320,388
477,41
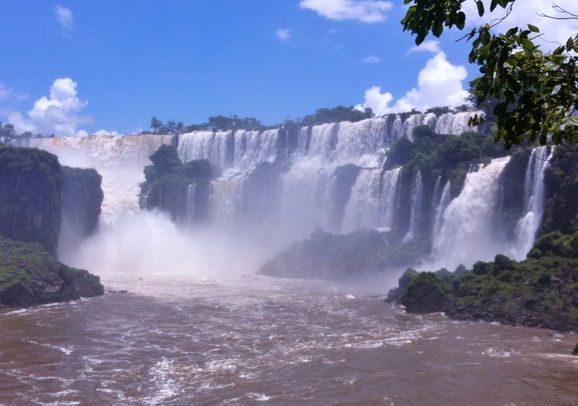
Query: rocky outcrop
30,196
30,276
182,190
337,257
82,198
541,291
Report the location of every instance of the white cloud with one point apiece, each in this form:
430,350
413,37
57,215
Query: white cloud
64,17
439,84
104,132
56,114
555,32
426,46
371,59
367,11
284,34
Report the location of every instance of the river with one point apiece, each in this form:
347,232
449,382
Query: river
247,339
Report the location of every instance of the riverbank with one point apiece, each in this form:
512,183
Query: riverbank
541,291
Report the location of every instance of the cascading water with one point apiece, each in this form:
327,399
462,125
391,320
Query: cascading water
362,210
533,202
443,203
416,207
308,192
119,159
456,123
467,233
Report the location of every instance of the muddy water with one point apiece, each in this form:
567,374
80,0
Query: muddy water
253,340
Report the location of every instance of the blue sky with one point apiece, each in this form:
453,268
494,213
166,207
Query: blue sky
77,67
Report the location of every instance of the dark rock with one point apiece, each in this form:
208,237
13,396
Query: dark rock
575,350
425,294
340,257
30,193
30,276
543,280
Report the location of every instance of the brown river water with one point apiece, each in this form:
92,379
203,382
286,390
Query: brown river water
255,340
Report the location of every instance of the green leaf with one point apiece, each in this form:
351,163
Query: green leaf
480,7
533,28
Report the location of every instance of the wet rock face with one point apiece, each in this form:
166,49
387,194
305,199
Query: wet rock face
30,189
30,276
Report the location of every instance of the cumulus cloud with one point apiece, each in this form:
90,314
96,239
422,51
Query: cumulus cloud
371,59
426,46
104,132
555,32
439,84
64,17
56,114
284,34
367,11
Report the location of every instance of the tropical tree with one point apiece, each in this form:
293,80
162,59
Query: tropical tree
537,90
156,124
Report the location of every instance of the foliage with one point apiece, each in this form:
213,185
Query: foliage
29,275
538,91
335,115
541,291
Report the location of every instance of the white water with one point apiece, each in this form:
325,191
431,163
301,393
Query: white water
119,159
461,229
416,207
467,233
534,202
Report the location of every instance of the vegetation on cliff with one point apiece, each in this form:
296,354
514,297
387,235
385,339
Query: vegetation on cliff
541,291
29,276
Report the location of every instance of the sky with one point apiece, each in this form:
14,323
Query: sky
77,67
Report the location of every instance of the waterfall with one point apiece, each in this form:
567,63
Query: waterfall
416,120
306,198
119,159
456,123
362,210
389,198
191,203
416,207
440,209
224,202
467,234
533,202
214,146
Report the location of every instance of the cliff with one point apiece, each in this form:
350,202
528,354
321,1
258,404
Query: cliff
30,276
182,190
30,196
541,291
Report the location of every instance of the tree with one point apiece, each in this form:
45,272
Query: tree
538,91
156,124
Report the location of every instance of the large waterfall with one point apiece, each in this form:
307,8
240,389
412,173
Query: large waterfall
327,176
119,159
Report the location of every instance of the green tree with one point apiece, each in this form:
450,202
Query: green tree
537,91
156,124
